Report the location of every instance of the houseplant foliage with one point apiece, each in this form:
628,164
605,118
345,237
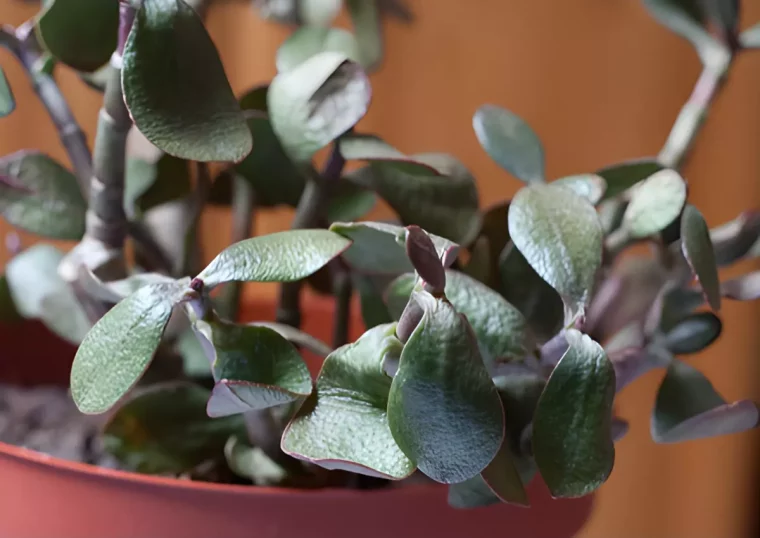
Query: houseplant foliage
496,339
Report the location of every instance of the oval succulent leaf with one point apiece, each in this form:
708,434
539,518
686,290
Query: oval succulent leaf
366,147
443,409
314,103
150,184
588,186
365,18
278,257
7,102
688,408
80,33
510,142
560,236
572,437
254,368
344,425
698,251
176,89
655,204
622,176
47,202
743,288
308,41
734,240
421,252
319,13
119,348
693,334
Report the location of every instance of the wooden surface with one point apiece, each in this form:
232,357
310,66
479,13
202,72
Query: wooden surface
600,82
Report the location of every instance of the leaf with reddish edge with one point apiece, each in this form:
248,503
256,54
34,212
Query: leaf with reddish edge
698,251
421,252
743,288
688,408
734,240
344,424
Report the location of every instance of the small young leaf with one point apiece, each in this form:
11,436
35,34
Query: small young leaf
365,18
309,41
314,103
510,142
344,424
443,409
176,89
560,235
50,204
80,33
698,251
572,437
297,337
688,408
119,348
422,253
278,257
743,288
655,203
734,240
164,429
693,334
588,186
7,102
254,368
367,147
621,177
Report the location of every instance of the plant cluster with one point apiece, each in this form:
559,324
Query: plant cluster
496,340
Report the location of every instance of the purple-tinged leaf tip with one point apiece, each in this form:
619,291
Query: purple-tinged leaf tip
421,252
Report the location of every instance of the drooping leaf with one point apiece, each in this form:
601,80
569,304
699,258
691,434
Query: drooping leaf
734,240
176,89
688,408
254,368
510,142
7,101
164,429
572,437
297,337
119,348
278,257
80,33
656,203
344,424
443,409
309,41
98,79
314,103
677,303
560,236
365,18
350,202
694,333
622,176
49,203
588,186
698,251
150,184
743,288
374,311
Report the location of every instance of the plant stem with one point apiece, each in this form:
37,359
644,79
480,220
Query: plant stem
343,290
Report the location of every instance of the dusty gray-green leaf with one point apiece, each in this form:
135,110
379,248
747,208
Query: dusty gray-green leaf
572,438
344,425
365,18
314,103
698,250
378,247
253,463
119,348
297,337
308,41
510,141
743,288
164,429
560,236
736,239
319,13
688,408
176,89
443,409
750,38
694,333
588,186
49,202
80,33
278,257
350,202
656,203
622,176
150,184
7,102
254,368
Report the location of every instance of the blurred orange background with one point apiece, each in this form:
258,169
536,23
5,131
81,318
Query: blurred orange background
600,82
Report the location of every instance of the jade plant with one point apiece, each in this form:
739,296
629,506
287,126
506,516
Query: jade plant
496,339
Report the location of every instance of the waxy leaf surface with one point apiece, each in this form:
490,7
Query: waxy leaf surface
698,250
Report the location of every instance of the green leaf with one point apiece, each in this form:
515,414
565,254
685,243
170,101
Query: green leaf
698,251
622,176
254,368
7,102
560,236
688,408
365,18
195,361
314,103
308,41
320,13
510,141
49,203
443,409
367,147
378,247
743,288
736,239
656,203
694,333
278,257
164,429
750,38
150,184
344,425
398,292
588,186
253,463
519,393
8,312
572,437
80,33
119,348
176,89
350,203
374,311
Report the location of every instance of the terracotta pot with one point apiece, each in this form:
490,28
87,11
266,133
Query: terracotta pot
42,496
